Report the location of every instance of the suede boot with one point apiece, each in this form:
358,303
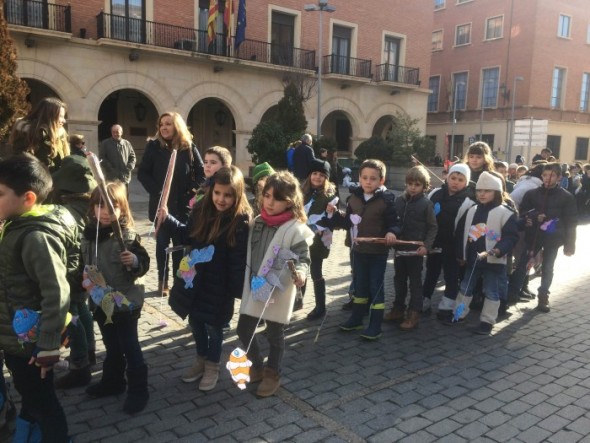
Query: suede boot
411,322
270,383
195,371
137,392
396,315
210,376
543,303
112,381
256,374
355,321
373,331
75,378
319,288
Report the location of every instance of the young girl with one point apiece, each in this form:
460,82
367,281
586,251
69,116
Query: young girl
485,235
213,270
478,158
279,233
42,133
188,175
115,297
318,192
216,157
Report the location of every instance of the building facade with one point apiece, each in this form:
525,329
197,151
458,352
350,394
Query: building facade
127,61
515,73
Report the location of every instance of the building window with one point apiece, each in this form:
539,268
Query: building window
554,143
588,35
557,87
434,86
341,43
494,27
585,92
581,149
463,35
460,90
564,26
282,36
439,4
489,86
463,1
391,55
128,20
437,40
15,13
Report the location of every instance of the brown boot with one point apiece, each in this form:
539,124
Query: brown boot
256,374
270,383
543,303
163,289
396,315
411,322
210,376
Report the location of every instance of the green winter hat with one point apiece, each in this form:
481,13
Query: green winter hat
74,176
260,171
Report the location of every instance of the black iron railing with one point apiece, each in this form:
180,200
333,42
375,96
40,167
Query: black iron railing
339,64
38,14
168,36
395,73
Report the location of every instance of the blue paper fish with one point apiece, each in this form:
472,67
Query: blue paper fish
549,226
26,325
186,270
493,235
436,208
458,311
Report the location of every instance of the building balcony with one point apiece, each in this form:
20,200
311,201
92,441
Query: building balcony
38,14
397,74
187,39
348,66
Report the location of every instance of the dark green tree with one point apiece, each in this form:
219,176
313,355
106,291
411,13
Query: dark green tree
402,137
290,114
269,144
13,90
375,147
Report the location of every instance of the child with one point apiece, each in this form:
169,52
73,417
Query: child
418,223
219,220
259,175
277,232
450,201
370,213
485,235
479,159
117,321
215,158
35,258
318,191
549,215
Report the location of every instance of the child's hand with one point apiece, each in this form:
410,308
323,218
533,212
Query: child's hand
299,279
461,262
422,251
330,208
528,222
541,218
162,212
128,258
495,252
568,252
390,238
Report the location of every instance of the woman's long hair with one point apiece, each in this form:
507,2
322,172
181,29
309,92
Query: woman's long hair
182,138
208,222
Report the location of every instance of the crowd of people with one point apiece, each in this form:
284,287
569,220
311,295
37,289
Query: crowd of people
69,254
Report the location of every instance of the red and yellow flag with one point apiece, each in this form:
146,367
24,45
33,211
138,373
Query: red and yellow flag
212,21
227,19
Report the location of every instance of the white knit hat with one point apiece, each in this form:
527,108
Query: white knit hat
461,168
489,182
513,166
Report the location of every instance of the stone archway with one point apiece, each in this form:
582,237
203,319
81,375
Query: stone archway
337,125
383,126
269,114
212,124
39,90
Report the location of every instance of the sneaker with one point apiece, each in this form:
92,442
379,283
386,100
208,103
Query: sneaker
195,372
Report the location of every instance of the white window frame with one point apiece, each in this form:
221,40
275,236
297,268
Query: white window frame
484,87
561,87
462,2
442,4
434,93
442,34
297,22
560,30
470,25
588,34
585,93
488,20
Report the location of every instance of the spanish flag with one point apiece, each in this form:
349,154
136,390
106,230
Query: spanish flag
212,21
227,19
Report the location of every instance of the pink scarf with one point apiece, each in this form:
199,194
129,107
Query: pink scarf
275,220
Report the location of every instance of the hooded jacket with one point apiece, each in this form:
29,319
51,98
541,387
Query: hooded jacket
418,222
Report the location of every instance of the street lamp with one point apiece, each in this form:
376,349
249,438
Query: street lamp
516,79
451,151
321,6
483,89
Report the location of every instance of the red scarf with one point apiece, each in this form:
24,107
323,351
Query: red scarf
276,220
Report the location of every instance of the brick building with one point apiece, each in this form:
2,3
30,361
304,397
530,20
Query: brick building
488,55
127,61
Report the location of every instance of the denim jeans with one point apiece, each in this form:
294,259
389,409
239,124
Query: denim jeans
448,263
39,403
208,339
81,335
408,268
369,274
492,279
275,334
163,238
120,338
520,272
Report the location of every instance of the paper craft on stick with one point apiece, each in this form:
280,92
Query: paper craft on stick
239,367
166,189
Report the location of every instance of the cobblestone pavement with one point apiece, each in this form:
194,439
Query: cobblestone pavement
529,382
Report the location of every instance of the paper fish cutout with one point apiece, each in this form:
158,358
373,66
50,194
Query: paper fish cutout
186,272
476,231
327,238
493,235
257,282
354,231
262,292
94,275
239,367
549,226
102,294
108,307
203,255
26,325
97,294
458,311
307,206
436,208
273,279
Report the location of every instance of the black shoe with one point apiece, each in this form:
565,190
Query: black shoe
347,306
75,378
92,357
544,308
444,314
102,389
316,314
483,328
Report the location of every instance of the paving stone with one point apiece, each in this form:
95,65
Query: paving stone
443,427
534,434
413,424
581,426
438,413
387,436
561,400
563,436
419,437
503,432
554,423
516,407
524,421
494,419
472,430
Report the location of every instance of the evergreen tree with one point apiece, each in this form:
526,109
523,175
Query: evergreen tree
13,90
290,114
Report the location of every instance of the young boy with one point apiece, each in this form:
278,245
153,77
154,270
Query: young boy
418,223
34,260
549,215
451,202
370,213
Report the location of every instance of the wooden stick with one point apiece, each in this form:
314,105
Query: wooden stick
382,241
166,189
427,168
